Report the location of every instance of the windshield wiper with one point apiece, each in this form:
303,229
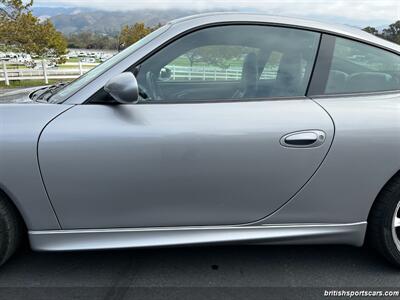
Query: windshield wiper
44,94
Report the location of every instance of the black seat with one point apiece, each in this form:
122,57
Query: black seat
289,77
371,81
336,82
249,81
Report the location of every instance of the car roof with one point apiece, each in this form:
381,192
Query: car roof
336,29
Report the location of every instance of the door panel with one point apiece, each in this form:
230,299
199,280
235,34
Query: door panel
177,164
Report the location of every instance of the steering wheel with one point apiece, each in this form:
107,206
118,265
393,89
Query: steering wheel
144,94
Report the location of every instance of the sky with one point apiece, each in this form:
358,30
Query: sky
374,12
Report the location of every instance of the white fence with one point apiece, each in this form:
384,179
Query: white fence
73,70
210,73
44,72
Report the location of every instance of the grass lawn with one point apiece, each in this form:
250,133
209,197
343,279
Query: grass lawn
77,59
73,60
13,67
75,67
184,62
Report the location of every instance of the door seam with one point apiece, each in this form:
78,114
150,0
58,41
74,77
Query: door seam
38,162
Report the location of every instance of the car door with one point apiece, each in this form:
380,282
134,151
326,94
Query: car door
230,156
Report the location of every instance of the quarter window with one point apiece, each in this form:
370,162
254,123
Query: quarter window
231,62
358,68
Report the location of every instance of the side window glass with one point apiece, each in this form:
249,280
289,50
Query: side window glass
208,63
231,62
357,68
272,66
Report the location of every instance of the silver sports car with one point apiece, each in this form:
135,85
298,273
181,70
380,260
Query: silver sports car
217,128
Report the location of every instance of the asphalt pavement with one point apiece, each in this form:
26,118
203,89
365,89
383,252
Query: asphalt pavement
3,90
220,272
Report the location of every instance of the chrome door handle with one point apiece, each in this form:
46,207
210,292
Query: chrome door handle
304,139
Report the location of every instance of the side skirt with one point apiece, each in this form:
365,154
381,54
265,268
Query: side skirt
92,239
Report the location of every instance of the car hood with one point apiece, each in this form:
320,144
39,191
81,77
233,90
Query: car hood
18,96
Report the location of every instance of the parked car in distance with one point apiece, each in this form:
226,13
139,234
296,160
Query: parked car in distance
290,134
90,60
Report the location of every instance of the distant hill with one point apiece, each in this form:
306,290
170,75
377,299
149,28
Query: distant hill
74,19
110,22
49,12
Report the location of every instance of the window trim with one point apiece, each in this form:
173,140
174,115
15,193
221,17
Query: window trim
90,99
319,78
357,94
87,92
213,101
323,61
316,72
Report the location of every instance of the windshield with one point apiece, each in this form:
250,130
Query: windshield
79,83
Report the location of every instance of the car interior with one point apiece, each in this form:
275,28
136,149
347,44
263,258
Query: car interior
258,45
291,77
348,75
342,82
296,48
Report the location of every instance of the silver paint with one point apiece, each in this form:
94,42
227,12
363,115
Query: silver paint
177,164
20,128
123,88
64,240
97,162
365,154
304,139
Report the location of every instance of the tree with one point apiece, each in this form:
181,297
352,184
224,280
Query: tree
371,30
20,30
91,40
131,34
392,33
11,9
194,56
219,56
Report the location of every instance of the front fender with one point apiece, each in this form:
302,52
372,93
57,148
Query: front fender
20,178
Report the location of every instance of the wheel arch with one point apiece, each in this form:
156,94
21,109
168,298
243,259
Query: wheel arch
5,196
388,182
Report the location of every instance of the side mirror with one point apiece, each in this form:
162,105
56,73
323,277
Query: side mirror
165,74
123,88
